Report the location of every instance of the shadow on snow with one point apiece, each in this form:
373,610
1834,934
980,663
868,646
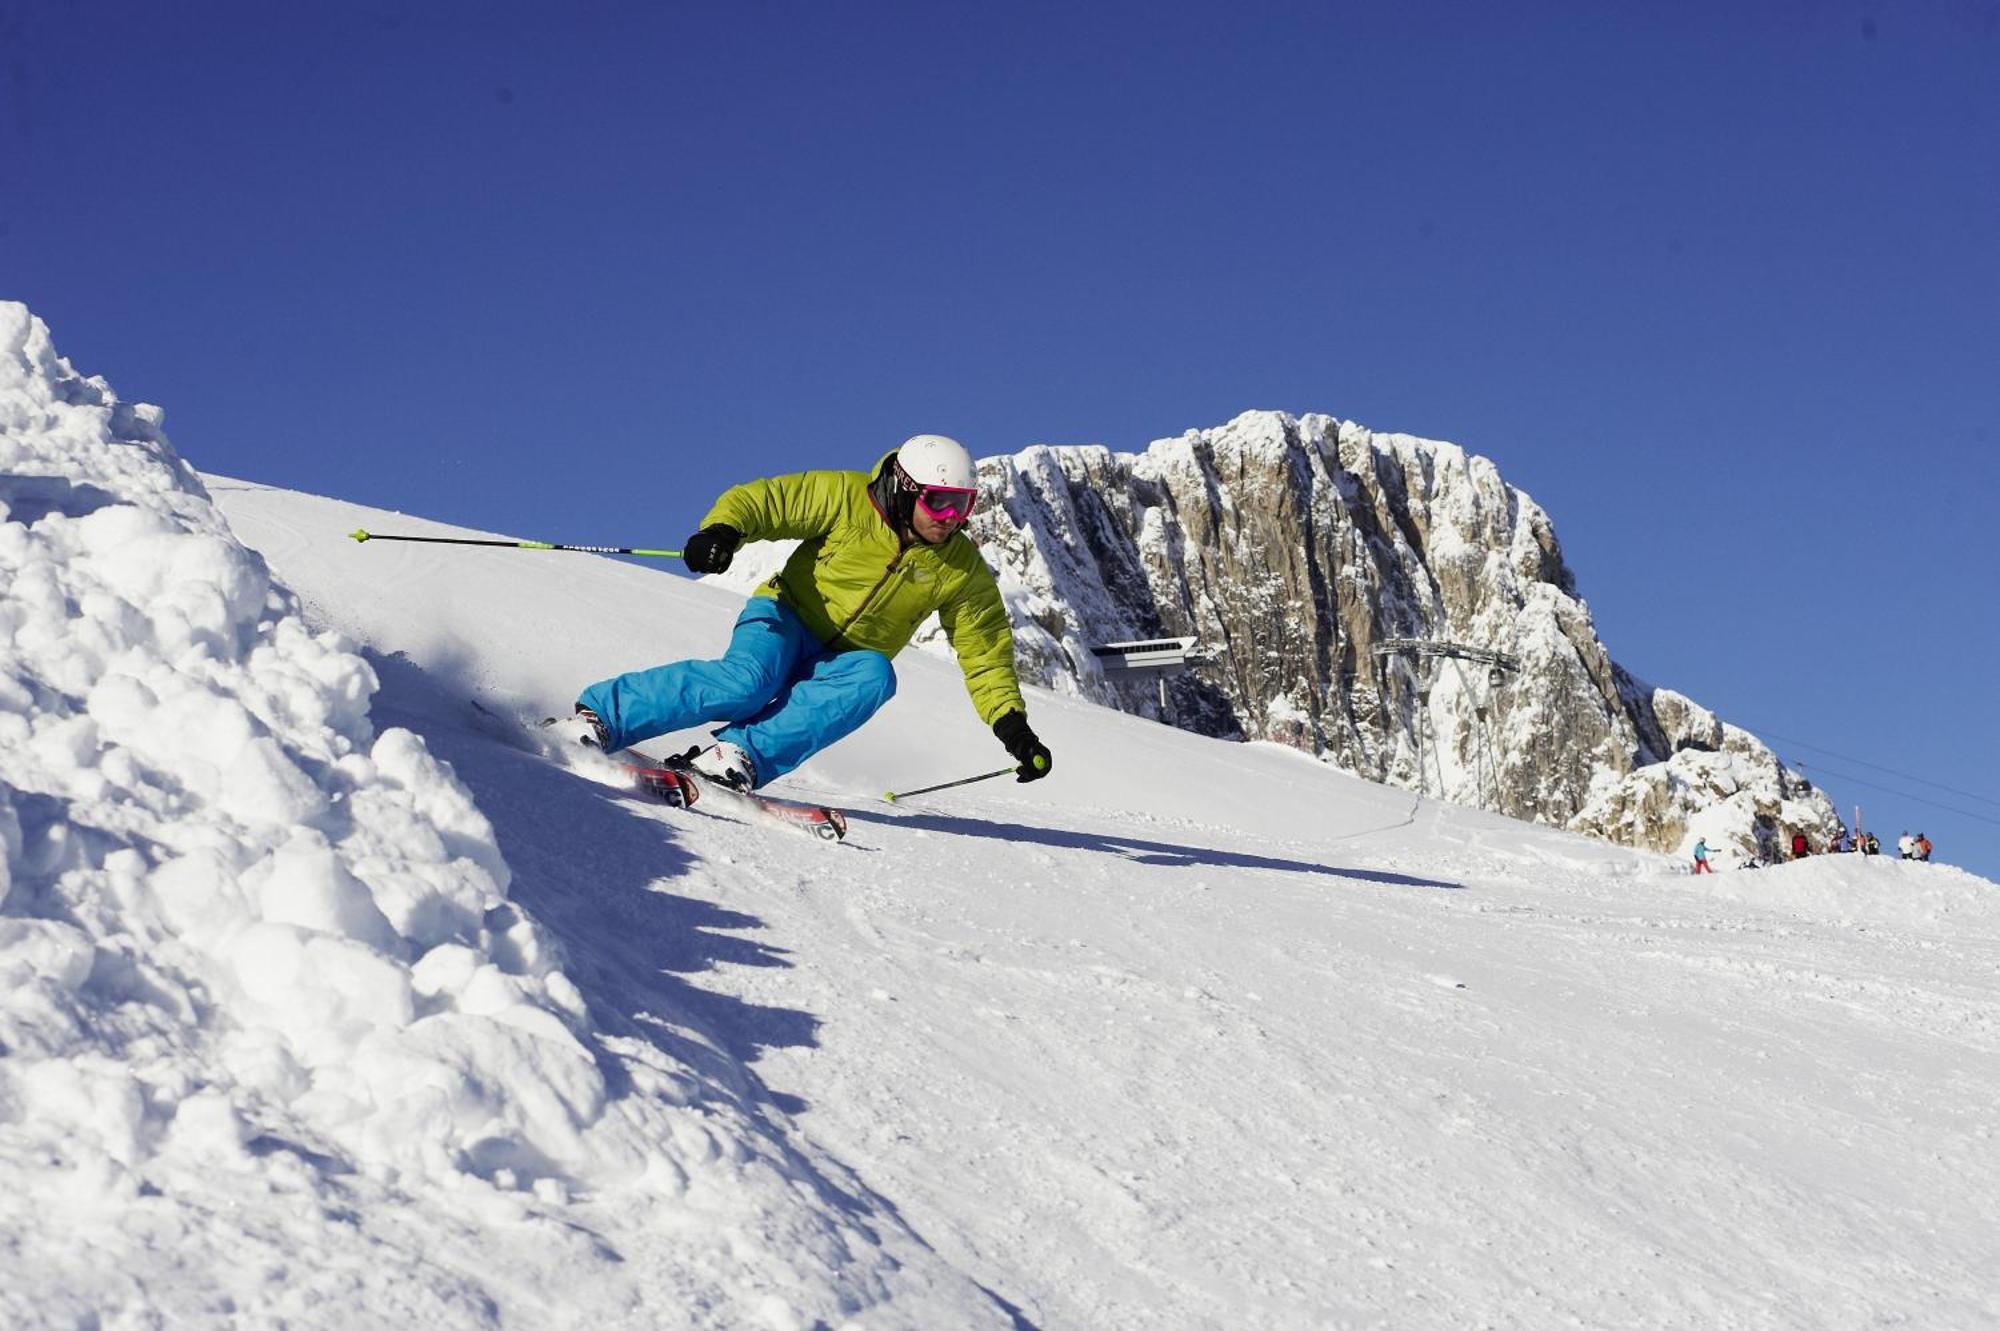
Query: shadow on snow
588,863
1137,849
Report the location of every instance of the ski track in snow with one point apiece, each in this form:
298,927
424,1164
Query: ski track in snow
1190,1035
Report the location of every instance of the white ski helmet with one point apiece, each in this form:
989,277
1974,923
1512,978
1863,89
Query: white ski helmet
933,459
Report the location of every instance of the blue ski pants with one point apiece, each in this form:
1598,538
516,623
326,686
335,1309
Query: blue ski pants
784,696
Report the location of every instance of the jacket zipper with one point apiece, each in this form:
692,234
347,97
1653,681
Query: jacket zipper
840,633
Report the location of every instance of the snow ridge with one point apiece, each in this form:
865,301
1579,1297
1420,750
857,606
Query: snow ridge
249,946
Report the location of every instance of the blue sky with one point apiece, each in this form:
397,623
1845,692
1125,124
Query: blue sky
1717,284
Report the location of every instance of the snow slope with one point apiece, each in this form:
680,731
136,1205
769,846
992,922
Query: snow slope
322,1004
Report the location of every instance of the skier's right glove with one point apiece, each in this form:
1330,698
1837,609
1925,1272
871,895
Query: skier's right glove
710,549
1033,755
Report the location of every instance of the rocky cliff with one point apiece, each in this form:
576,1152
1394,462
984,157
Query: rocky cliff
1294,549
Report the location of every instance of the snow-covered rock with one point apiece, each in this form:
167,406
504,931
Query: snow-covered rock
1294,548
1718,782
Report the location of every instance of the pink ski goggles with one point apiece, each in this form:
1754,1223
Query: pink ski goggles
946,503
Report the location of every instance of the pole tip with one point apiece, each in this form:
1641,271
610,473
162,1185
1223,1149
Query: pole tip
359,534
889,795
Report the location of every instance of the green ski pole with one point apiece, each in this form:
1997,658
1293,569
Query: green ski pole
362,535
892,796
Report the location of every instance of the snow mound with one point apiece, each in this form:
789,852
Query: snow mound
249,945
197,815
1866,890
196,812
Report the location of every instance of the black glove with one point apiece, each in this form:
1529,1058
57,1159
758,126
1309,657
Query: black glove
710,549
1033,755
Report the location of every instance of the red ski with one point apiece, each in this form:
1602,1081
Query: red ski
672,783
682,789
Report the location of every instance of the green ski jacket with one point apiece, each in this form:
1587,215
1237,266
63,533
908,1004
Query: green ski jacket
855,582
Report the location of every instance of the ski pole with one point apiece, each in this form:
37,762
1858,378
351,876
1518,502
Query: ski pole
892,796
361,535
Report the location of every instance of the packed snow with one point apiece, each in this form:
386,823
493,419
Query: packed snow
327,1001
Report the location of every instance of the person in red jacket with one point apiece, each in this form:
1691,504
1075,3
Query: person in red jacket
1799,847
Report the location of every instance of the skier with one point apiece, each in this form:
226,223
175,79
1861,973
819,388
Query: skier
1701,864
1800,848
1923,847
1906,846
808,661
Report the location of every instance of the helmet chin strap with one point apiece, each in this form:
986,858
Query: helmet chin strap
889,498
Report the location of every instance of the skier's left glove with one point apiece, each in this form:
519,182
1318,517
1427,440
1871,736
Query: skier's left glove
710,549
1033,755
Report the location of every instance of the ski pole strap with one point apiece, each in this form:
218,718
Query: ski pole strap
362,535
892,795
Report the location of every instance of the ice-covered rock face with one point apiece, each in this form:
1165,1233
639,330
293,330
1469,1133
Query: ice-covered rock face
1294,548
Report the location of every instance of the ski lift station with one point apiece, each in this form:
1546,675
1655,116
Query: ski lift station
1160,658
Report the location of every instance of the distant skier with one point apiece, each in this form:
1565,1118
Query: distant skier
808,661
1701,854
1906,846
1800,848
1923,847
1872,846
